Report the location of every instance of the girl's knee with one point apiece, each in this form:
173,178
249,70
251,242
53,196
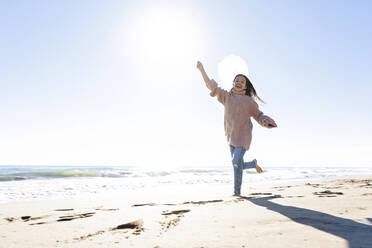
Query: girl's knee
237,161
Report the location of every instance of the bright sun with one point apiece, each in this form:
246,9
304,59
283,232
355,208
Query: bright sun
228,68
164,38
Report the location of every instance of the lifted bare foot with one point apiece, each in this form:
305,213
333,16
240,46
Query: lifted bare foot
258,168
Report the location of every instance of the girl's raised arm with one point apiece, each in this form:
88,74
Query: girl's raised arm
212,85
199,65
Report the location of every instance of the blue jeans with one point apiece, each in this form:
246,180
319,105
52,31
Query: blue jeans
237,154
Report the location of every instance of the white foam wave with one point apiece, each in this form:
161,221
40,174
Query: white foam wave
120,180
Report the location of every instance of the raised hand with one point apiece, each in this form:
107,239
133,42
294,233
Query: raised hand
199,65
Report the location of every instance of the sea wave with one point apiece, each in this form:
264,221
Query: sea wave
11,178
50,182
51,173
67,173
12,173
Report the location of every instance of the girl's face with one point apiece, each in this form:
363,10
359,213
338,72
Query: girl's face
239,83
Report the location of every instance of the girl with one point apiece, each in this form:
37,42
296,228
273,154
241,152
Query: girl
239,107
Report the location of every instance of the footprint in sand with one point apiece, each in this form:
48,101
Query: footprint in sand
260,194
137,226
363,183
202,202
75,216
283,187
175,204
333,187
25,218
61,218
38,223
174,221
144,204
315,185
327,193
365,194
176,212
10,219
83,237
107,209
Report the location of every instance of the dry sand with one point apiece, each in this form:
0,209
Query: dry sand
333,213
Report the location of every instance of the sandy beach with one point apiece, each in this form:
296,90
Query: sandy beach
332,213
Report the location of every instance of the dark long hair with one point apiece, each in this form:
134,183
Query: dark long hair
250,91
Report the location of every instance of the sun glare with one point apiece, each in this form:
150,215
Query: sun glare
228,68
164,38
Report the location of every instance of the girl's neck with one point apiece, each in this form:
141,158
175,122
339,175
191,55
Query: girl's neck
238,92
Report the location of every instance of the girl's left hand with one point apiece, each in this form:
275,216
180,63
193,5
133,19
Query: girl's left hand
268,122
199,65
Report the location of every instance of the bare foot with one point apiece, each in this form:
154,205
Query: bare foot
258,168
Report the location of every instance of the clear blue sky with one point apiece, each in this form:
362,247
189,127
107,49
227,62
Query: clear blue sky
115,82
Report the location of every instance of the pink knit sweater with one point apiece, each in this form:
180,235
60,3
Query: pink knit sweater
238,110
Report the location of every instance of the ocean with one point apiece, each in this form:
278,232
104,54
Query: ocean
30,183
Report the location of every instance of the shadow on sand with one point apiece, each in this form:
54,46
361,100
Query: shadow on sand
357,235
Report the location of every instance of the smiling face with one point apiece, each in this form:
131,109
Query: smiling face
239,83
